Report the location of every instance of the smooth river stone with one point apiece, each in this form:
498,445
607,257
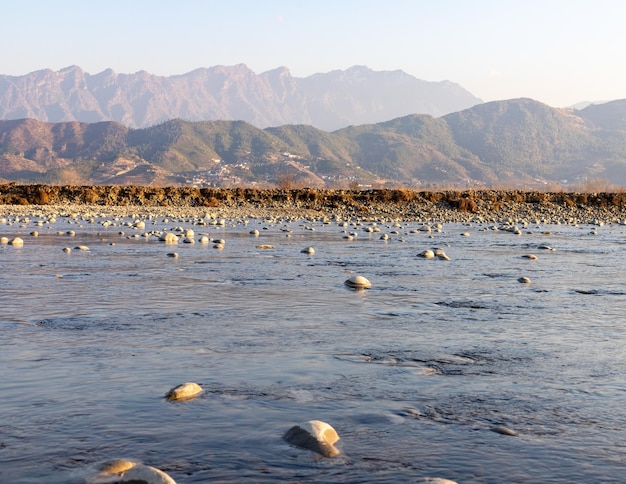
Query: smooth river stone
4,240
358,282
141,474
427,254
524,280
314,435
117,466
184,391
500,429
169,238
17,242
264,246
308,250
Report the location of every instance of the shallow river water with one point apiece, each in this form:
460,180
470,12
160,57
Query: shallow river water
414,373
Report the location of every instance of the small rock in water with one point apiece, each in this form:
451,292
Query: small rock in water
17,242
4,240
184,391
500,429
169,238
117,466
174,255
427,254
524,280
67,250
264,246
141,474
254,232
358,282
308,250
314,435
530,256
81,247
204,239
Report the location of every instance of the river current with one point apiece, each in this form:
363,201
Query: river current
418,374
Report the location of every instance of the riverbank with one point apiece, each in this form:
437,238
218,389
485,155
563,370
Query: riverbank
401,204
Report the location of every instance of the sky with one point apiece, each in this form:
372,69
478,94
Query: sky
559,52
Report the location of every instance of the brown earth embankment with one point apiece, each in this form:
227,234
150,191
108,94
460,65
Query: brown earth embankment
449,205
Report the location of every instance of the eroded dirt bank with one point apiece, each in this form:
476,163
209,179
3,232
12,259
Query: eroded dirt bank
481,205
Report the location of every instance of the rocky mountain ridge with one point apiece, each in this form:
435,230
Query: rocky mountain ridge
327,101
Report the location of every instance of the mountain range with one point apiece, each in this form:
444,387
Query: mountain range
518,142
328,101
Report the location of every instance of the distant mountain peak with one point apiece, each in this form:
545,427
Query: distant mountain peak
328,101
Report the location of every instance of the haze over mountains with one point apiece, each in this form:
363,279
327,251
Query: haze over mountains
328,101
517,142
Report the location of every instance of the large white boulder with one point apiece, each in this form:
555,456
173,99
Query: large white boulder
314,435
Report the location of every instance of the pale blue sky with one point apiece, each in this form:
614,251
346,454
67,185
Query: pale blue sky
559,52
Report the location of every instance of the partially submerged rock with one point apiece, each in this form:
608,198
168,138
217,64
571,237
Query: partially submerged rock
358,282
17,242
169,238
141,474
184,391
501,429
314,435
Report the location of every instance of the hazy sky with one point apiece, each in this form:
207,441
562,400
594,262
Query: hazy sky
559,52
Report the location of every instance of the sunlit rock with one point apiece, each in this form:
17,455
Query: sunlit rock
524,280
427,254
117,466
530,256
500,429
314,435
264,246
169,238
81,247
358,282
17,242
308,250
141,474
173,255
184,391
67,250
